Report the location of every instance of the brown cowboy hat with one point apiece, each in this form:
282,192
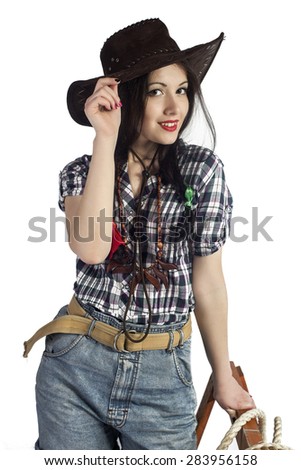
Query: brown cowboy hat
137,50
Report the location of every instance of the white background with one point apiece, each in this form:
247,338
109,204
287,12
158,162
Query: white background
253,94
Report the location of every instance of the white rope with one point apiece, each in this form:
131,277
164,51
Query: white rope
261,419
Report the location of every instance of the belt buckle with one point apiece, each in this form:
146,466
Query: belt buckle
116,338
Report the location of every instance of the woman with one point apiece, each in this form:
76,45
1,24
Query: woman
147,217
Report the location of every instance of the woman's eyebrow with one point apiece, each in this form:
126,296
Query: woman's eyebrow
164,84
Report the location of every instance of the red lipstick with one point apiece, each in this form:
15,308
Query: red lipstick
169,126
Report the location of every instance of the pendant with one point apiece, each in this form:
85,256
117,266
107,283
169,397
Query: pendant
154,275
123,262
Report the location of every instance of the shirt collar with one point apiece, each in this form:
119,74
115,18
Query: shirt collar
126,189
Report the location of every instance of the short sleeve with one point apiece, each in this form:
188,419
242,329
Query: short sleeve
213,214
72,179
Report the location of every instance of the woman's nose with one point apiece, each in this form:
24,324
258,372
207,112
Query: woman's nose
171,106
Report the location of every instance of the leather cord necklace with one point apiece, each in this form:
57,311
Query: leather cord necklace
133,262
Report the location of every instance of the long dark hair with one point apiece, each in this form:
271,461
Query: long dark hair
133,96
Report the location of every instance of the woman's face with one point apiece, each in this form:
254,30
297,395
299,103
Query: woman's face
166,106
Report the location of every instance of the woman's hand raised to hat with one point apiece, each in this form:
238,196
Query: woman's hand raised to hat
102,108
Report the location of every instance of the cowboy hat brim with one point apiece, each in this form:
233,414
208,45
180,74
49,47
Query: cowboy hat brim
198,57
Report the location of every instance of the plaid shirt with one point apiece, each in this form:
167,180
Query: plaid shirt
212,205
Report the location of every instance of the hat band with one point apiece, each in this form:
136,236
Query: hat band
138,59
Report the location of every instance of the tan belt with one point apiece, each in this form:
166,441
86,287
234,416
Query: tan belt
77,322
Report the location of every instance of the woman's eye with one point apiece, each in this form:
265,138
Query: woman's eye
155,92
182,91
158,92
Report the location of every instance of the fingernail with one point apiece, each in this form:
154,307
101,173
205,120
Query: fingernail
119,104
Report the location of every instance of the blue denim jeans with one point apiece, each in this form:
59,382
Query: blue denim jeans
90,396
